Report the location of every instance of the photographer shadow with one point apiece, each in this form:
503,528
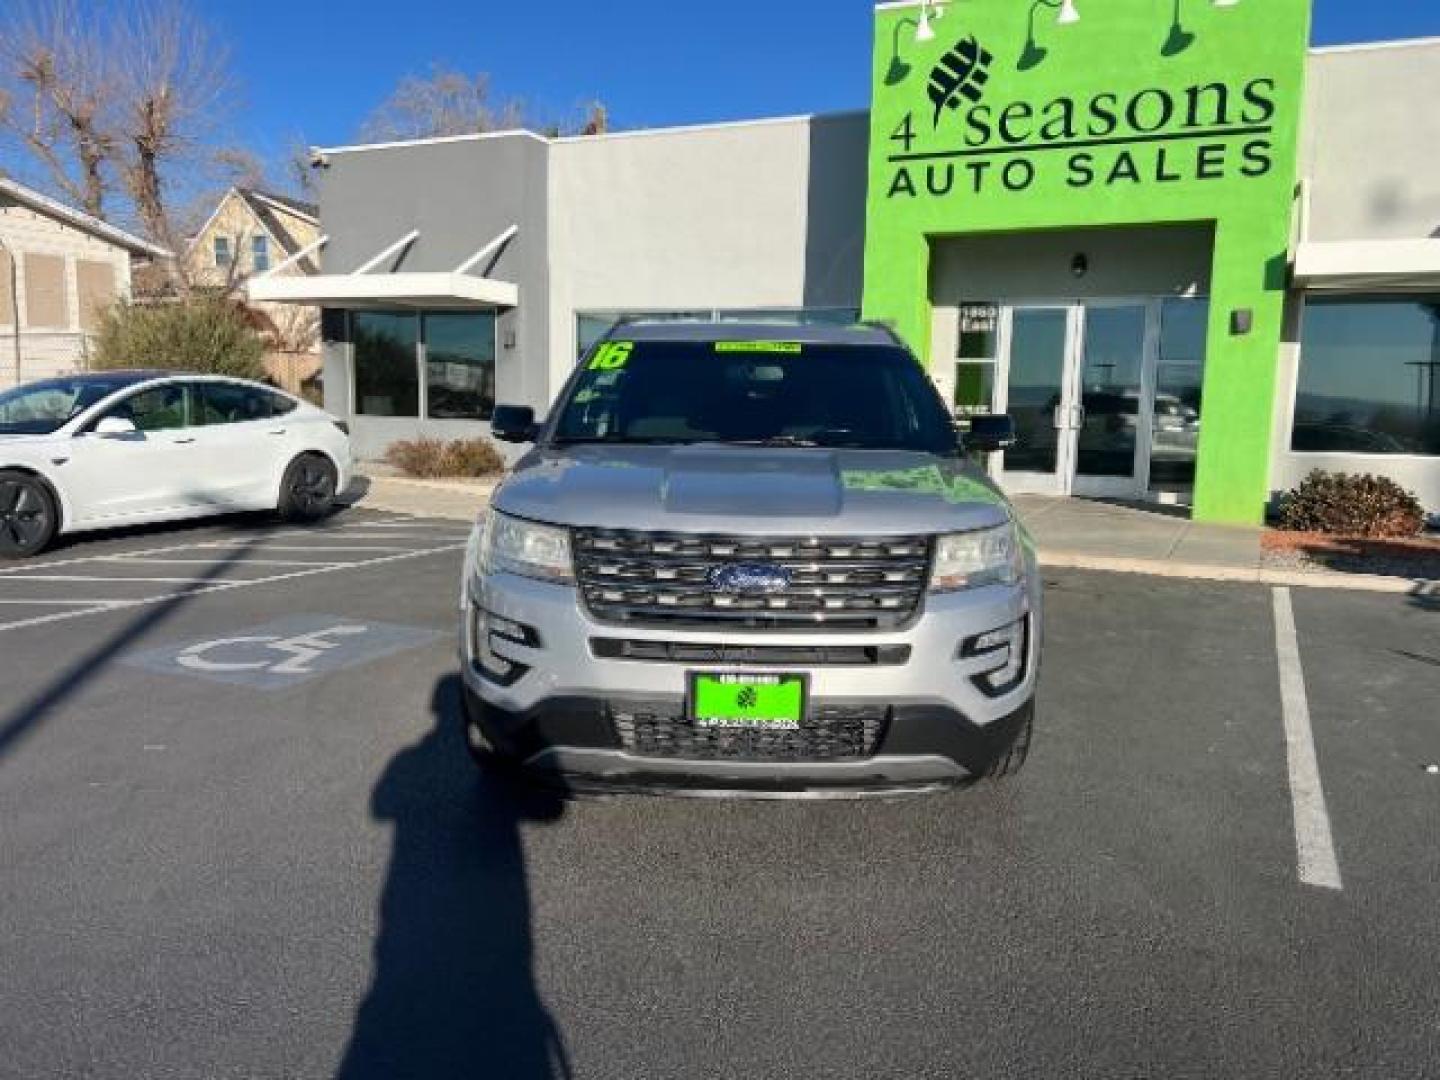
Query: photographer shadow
453,991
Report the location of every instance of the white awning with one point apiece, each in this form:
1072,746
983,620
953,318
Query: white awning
1356,265
364,288
417,290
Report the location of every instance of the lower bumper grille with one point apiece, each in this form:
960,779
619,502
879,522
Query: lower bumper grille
829,733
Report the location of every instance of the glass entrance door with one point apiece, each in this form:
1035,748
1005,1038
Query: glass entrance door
1036,346
1079,379
1112,421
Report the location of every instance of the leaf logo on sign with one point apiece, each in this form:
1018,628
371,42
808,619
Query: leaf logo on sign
960,76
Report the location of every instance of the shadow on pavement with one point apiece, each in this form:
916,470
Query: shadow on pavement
23,719
453,991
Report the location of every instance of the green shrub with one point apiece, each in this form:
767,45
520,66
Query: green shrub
1343,504
433,458
203,334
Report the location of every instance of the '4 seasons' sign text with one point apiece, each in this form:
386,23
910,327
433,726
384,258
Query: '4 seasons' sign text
1158,135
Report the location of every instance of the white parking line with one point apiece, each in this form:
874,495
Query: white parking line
75,578
223,586
264,546
59,603
163,560
1315,847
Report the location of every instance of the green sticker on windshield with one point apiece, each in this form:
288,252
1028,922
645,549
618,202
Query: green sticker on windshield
612,356
788,348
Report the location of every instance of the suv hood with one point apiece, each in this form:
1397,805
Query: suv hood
751,490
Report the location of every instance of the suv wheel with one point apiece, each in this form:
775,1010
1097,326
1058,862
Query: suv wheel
1013,760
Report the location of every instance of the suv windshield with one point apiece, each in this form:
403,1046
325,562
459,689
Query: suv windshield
44,407
755,393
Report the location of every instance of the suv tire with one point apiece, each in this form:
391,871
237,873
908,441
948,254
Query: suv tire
1013,760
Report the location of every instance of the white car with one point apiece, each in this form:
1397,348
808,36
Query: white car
103,449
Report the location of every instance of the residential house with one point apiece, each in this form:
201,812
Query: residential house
251,233
60,269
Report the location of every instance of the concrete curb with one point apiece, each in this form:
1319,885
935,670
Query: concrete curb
1253,575
463,487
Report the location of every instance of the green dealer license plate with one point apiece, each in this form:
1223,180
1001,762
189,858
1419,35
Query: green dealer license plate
747,701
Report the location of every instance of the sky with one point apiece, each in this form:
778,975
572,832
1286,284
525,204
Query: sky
311,69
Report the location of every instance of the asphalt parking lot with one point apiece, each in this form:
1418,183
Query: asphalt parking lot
240,838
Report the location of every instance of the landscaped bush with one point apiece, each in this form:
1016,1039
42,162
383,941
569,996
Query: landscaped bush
434,458
203,334
1343,504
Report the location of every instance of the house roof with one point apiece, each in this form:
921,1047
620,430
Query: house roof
263,205
43,204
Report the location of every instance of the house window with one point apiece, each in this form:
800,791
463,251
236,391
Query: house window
259,254
387,372
223,255
1369,380
460,365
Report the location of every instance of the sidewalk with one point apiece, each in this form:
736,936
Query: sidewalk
1073,533
1141,539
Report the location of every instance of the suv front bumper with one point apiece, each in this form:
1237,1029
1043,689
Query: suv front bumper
563,710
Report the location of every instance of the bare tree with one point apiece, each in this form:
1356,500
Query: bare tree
57,83
117,101
168,93
446,102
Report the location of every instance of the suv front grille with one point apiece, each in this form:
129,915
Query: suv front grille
663,579
828,733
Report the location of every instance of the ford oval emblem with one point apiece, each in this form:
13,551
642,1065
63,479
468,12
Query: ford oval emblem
754,579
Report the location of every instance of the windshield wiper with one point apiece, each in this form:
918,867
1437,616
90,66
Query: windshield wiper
619,440
773,440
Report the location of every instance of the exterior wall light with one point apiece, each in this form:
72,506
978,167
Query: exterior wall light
1034,52
1080,265
1181,39
929,10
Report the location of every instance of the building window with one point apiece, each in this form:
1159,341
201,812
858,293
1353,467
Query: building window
223,255
387,372
1179,386
591,326
975,359
1369,378
259,254
460,365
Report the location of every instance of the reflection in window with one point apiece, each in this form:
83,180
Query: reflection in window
1179,381
387,378
460,366
1369,377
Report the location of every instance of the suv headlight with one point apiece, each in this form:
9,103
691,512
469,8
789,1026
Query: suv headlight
512,545
970,560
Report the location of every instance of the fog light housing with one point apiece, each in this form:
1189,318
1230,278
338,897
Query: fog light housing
486,629
1006,652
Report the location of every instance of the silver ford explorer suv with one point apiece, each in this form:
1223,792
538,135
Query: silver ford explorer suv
750,559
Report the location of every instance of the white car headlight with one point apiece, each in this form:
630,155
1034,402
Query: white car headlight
970,560
514,546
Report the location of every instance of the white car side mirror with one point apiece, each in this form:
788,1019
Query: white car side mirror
115,425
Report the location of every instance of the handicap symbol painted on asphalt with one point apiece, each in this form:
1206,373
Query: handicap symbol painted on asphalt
284,653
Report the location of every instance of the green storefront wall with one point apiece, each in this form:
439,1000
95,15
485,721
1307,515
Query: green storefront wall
1141,112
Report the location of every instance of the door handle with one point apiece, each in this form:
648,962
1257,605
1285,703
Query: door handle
276,431
1079,415
184,440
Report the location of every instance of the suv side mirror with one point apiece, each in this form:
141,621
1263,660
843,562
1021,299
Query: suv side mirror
514,423
990,434
115,425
